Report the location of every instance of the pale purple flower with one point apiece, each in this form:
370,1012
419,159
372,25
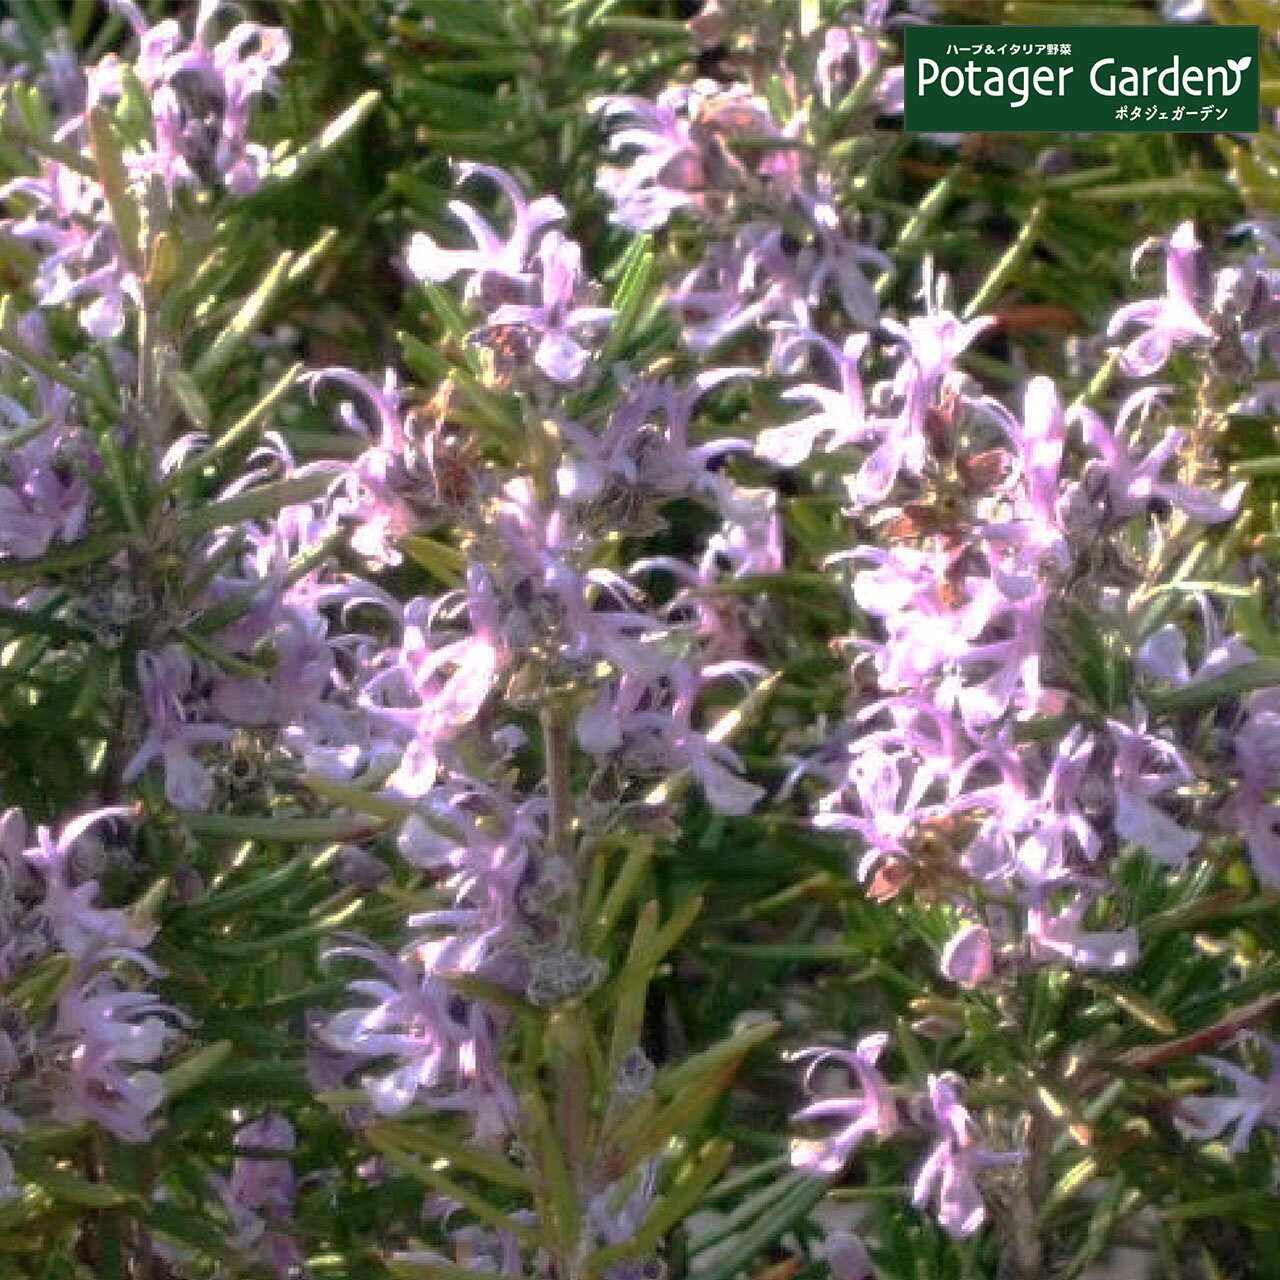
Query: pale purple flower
931,616
840,61
535,593
42,504
1247,298
1054,823
46,497
1146,767
1251,811
1163,655
66,78
1129,481
114,1035
557,320
1170,321
950,1172
889,791
760,280
338,742
933,340
847,1256
166,679
616,1213
967,959
1031,539
750,537
299,677
998,673
423,1042
837,262
1256,1101
842,414
495,264
1258,822
1058,933
850,52
678,155
749,543
645,723
869,1112
80,257
407,1021
435,682
667,171
718,770
202,94
98,1089
81,928
740,286
259,1195
643,454
383,490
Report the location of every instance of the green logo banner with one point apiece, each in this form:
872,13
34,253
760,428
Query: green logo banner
1176,79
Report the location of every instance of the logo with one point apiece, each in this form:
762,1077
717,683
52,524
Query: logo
1182,79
